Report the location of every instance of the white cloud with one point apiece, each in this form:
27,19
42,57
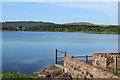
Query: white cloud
107,7
60,0
29,61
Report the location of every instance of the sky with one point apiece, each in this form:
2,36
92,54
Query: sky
60,0
105,13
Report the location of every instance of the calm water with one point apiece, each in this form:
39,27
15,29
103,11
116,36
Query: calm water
29,52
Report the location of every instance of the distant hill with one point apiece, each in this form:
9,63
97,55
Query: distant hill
26,24
40,23
79,23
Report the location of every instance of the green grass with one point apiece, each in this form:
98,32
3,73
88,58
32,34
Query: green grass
11,75
20,76
117,74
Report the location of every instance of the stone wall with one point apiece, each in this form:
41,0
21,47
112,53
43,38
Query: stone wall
104,60
78,69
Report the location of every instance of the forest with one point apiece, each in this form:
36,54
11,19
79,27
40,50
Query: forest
52,27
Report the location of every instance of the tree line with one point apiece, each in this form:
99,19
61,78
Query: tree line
67,28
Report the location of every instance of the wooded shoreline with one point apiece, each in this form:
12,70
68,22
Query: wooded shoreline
66,31
52,27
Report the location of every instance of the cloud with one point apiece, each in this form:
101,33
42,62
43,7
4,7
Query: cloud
107,7
29,61
60,0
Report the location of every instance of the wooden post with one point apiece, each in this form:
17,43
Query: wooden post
64,54
115,64
55,56
86,58
71,56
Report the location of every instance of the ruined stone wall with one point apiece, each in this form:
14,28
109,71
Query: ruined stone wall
118,64
104,60
78,69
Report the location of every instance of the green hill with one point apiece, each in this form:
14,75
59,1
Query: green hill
26,24
79,23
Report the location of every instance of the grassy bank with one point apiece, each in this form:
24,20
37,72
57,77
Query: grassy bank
16,75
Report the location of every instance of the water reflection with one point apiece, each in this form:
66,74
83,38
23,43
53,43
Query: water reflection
31,51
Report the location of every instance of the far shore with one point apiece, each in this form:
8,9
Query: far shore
68,31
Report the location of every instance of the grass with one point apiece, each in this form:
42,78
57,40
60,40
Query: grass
20,76
16,75
117,74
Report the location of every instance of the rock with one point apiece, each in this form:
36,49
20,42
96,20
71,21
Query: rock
53,72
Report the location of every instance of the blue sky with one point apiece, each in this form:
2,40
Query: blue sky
61,12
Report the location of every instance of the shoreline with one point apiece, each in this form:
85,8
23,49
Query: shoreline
66,31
